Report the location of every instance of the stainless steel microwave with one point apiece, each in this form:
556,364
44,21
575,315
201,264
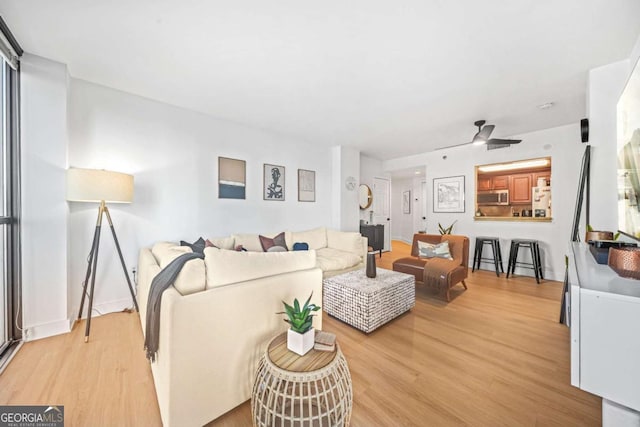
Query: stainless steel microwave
493,198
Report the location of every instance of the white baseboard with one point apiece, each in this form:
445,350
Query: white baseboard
32,333
107,307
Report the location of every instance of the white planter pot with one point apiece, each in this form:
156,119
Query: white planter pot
300,343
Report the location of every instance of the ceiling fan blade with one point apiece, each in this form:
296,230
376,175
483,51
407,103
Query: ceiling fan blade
498,141
484,133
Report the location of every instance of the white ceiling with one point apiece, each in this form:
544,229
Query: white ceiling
390,78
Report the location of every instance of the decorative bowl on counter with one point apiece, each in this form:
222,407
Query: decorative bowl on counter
598,235
625,262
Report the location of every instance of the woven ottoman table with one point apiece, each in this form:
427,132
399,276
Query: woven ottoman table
366,303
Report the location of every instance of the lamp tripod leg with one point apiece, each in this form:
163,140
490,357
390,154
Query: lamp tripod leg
124,267
88,275
93,283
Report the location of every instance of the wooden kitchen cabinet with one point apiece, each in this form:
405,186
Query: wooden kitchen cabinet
545,175
500,182
487,183
520,191
484,183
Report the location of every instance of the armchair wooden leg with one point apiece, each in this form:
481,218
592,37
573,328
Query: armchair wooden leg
464,284
448,296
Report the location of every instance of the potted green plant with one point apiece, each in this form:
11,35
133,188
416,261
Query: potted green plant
447,230
301,335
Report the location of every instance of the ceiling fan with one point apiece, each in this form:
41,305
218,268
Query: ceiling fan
483,134
482,137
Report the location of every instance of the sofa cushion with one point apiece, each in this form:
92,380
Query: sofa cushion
316,238
430,250
251,242
271,242
197,246
329,259
191,278
221,242
345,241
225,267
165,252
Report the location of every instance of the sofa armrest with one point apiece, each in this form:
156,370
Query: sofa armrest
211,341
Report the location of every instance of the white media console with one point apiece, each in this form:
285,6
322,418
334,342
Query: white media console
604,314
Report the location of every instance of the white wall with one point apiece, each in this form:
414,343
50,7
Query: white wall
346,164
369,169
561,143
44,210
173,155
604,88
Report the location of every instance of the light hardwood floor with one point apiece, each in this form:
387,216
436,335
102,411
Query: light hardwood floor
495,355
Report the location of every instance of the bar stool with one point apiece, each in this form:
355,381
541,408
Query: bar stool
535,265
495,249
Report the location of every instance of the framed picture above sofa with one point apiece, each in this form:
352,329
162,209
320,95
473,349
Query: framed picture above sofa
273,184
306,185
232,177
448,194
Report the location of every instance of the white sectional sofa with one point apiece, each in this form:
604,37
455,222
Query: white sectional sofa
219,315
336,251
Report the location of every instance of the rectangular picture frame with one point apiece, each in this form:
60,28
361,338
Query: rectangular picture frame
273,184
306,185
232,178
448,194
406,202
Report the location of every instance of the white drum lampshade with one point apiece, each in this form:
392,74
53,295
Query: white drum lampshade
93,185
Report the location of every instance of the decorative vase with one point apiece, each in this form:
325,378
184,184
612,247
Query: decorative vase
598,235
300,343
625,262
371,265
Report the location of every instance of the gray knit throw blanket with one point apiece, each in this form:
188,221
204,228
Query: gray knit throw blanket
159,284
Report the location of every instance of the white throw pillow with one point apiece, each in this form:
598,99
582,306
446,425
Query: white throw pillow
431,250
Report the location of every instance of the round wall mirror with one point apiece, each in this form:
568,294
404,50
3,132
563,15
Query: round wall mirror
365,197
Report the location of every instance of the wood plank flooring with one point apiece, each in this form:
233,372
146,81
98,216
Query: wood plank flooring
495,355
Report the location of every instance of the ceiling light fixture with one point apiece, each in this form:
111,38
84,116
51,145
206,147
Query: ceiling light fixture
546,105
417,172
516,165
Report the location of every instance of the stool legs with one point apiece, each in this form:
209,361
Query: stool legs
494,249
536,259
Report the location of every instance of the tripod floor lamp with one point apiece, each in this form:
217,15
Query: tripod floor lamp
99,186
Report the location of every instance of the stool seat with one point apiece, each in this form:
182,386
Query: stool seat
535,265
494,242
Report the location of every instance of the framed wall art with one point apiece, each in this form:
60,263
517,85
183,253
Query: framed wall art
406,202
232,177
273,183
448,194
306,185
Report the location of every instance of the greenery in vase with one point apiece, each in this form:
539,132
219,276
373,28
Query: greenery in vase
447,230
300,318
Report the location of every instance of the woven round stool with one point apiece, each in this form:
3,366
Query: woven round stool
310,390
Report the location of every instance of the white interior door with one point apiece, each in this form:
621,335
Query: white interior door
381,204
423,206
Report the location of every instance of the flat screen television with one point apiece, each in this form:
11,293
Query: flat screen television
628,147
